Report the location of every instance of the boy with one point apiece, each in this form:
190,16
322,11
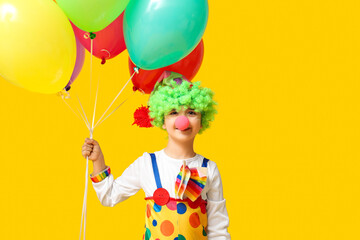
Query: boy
184,197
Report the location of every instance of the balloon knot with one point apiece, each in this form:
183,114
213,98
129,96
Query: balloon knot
103,61
142,91
67,88
135,88
64,94
92,35
136,69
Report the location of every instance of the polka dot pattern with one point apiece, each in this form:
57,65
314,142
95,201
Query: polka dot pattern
147,234
194,220
177,220
157,208
181,237
204,232
167,228
171,205
148,210
181,208
174,219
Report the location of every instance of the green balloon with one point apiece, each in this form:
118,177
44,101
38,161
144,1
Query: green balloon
92,15
162,32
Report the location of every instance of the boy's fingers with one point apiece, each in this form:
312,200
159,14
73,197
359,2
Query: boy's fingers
86,153
86,150
88,144
91,141
89,147
86,147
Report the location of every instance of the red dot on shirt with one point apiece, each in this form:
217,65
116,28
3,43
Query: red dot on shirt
194,220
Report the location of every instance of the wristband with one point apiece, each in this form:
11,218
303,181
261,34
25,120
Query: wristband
100,176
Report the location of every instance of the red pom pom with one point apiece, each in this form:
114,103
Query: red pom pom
142,118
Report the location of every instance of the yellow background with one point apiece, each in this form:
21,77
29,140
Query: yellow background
286,76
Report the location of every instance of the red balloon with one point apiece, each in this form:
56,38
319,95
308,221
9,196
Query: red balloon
108,42
145,80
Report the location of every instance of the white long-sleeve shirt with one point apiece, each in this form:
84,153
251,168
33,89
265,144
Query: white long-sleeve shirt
140,175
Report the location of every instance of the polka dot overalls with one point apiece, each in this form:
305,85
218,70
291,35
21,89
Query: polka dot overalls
174,219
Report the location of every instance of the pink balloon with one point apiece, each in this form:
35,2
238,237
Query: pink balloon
108,43
80,57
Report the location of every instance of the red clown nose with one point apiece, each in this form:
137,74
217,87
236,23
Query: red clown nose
182,123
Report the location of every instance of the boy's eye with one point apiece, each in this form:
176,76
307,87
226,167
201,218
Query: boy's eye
192,112
173,113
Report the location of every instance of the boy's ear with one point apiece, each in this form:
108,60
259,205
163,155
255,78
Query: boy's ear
163,126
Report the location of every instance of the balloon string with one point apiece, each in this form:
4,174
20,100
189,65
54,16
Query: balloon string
85,192
114,110
82,213
91,69
104,58
83,110
82,117
97,90
84,208
115,99
91,129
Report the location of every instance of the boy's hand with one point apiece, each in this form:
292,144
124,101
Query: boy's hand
91,149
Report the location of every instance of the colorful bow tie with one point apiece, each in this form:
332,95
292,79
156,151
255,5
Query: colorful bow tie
190,181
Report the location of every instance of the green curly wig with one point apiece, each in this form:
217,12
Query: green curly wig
171,94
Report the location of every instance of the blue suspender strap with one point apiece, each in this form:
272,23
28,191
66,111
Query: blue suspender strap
205,162
156,170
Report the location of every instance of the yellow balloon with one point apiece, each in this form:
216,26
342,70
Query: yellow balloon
37,45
